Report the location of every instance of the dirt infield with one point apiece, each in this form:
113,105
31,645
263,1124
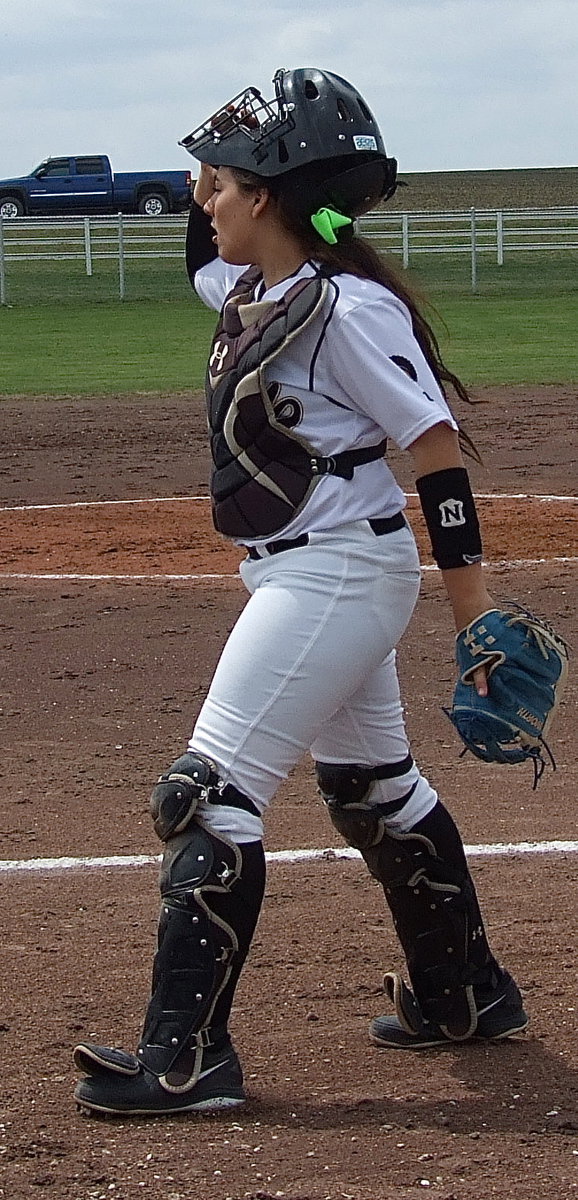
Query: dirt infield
112,617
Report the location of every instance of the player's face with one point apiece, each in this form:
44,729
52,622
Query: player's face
232,213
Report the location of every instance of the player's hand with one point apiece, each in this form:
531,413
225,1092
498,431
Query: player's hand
205,185
480,679
469,598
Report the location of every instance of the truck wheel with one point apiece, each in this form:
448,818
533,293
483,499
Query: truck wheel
11,206
153,204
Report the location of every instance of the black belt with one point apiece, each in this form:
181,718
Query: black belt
380,525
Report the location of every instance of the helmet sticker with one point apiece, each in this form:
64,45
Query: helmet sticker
364,142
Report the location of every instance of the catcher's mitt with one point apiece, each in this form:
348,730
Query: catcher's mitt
526,664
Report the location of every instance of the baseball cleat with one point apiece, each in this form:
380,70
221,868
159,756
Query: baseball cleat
499,1013
120,1084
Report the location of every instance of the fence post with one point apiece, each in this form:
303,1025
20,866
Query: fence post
500,236
474,249
87,246
2,271
405,238
121,257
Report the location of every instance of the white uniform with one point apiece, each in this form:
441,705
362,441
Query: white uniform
310,663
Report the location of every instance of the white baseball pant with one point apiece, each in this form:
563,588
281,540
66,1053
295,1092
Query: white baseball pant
310,665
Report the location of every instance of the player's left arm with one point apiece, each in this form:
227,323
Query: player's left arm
450,514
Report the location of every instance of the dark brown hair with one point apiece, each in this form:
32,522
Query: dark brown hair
298,194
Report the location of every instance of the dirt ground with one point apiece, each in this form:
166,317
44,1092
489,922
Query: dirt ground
112,617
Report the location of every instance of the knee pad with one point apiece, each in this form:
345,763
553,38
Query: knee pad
192,778
176,794
345,788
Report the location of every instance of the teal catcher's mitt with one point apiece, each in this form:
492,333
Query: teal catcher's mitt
526,664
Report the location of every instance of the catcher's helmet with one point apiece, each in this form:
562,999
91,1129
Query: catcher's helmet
314,117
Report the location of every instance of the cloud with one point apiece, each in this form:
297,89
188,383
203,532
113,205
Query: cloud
454,83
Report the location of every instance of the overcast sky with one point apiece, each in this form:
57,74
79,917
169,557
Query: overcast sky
454,84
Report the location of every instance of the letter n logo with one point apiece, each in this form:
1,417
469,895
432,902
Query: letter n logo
452,513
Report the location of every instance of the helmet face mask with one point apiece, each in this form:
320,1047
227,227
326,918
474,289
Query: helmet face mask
248,123
315,116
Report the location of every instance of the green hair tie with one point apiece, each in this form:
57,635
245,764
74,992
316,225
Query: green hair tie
326,220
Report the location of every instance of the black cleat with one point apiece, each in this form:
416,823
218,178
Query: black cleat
121,1084
498,1013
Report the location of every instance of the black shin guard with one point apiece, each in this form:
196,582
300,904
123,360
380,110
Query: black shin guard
428,887
430,892
212,891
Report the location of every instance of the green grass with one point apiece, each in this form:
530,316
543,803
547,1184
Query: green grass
44,281
105,348
525,276
501,341
66,336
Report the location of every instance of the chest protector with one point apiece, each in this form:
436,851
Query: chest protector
263,473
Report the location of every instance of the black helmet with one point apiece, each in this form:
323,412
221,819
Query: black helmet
315,116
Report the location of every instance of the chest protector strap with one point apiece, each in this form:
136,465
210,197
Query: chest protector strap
263,473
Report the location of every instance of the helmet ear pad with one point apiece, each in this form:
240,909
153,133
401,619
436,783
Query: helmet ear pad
360,187
353,185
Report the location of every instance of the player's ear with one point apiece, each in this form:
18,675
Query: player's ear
262,199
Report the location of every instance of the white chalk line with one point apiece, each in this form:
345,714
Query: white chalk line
101,503
205,499
118,578
497,564
60,865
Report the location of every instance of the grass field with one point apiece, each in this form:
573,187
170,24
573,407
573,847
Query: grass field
520,326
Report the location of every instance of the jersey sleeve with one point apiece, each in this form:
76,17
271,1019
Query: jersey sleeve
214,281
380,365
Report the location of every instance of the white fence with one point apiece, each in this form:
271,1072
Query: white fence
471,232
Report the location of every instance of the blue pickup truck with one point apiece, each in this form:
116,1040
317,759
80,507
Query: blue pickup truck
65,186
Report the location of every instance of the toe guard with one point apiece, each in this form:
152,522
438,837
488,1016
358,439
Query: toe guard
96,1060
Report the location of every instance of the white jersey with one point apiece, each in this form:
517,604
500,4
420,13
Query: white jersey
354,375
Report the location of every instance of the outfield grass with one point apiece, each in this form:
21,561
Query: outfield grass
109,348
501,341
519,327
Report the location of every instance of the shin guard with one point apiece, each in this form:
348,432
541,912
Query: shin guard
437,918
211,895
212,890
431,895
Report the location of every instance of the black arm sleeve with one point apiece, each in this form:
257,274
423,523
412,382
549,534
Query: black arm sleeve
200,247
450,515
